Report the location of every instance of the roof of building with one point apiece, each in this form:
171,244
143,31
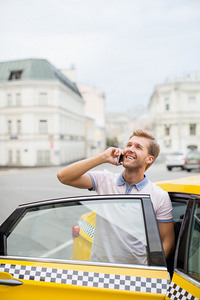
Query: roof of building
191,77
34,69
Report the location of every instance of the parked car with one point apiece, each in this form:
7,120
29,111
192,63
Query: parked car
192,161
176,160
45,248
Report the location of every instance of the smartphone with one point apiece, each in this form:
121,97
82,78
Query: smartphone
120,159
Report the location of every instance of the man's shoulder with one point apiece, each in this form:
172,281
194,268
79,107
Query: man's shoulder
155,188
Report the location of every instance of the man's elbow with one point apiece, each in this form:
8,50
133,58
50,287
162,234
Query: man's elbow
61,177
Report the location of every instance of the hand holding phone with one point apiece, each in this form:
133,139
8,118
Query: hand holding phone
120,159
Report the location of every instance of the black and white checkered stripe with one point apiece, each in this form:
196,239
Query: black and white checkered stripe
176,292
89,279
86,227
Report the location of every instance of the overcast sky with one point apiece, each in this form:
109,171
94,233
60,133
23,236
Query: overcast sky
122,47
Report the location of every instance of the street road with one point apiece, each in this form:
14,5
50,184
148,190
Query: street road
18,186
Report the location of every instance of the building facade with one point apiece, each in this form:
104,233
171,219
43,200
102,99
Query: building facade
117,129
94,110
95,124
41,115
138,118
120,126
174,114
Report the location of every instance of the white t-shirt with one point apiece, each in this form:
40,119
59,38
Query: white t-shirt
113,183
112,241
119,235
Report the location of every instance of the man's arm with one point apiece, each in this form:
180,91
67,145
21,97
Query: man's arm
76,173
167,237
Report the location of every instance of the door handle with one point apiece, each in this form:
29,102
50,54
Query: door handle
10,282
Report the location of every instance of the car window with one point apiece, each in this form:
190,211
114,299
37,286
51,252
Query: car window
110,231
178,210
188,254
177,153
193,155
194,247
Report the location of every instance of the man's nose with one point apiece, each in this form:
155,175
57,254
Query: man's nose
131,148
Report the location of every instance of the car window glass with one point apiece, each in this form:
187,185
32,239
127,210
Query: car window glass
194,248
177,154
178,211
110,231
193,155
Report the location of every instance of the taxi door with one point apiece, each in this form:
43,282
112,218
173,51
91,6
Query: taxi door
185,283
37,250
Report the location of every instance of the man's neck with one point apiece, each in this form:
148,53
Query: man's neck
133,177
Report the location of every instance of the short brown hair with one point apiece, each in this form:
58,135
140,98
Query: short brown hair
154,148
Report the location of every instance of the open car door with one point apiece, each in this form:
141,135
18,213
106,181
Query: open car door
84,247
185,282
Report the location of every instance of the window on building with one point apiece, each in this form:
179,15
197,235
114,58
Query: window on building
14,75
192,129
9,99
42,126
9,126
167,130
43,99
167,104
43,157
18,99
39,157
191,103
46,157
18,156
10,157
18,126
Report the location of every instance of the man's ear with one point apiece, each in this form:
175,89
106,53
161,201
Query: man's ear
149,159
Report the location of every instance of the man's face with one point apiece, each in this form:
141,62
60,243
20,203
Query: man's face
136,154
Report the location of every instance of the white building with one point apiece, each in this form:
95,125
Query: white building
95,131
138,118
174,112
120,126
117,129
41,115
94,110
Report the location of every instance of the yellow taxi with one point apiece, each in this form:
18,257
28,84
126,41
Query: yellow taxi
50,249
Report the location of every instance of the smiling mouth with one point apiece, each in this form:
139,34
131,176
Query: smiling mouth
130,157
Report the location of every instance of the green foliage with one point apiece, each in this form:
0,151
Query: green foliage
112,142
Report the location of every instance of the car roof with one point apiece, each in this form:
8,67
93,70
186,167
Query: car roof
183,185
177,153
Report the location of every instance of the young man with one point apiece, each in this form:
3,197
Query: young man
140,152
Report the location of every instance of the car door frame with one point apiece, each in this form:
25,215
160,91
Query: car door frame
182,284
157,260
154,258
